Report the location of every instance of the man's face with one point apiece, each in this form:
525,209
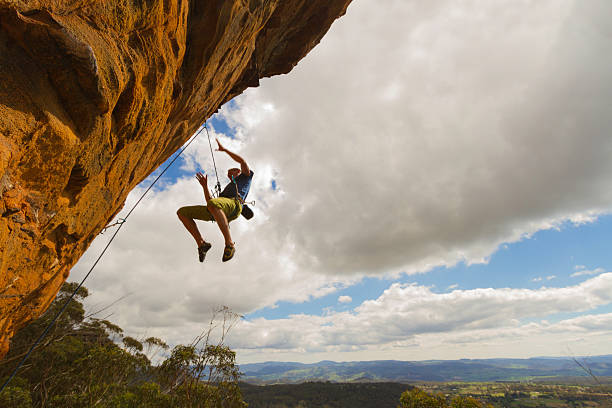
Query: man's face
233,173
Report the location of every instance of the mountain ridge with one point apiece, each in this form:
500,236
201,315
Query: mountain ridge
494,369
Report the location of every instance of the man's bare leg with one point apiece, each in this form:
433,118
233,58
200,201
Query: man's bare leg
192,228
222,223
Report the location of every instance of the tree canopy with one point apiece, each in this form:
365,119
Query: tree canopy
417,398
85,361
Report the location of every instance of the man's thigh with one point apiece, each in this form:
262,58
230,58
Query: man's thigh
230,207
196,212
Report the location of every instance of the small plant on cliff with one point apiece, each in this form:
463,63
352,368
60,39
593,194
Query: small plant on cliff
88,362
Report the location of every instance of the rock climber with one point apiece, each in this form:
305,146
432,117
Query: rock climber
223,209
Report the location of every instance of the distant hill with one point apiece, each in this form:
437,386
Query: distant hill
432,370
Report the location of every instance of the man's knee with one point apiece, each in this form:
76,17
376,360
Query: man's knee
215,212
181,213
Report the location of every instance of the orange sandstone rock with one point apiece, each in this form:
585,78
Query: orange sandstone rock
94,95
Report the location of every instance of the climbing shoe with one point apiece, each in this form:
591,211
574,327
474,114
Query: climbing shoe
228,253
202,251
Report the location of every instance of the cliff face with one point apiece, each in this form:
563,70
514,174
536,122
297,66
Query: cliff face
95,95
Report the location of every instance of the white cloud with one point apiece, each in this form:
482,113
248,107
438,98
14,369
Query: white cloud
415,135
411,312
345,299
586,272
449,130
453,286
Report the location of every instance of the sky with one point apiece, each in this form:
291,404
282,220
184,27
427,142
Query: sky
433,181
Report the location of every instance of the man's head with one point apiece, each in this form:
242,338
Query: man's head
233,172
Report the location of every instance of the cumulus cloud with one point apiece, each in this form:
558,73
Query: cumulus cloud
415,135
409,312
345,299
448,130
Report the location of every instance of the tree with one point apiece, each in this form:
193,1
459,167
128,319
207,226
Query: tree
465,402
417,398
88,362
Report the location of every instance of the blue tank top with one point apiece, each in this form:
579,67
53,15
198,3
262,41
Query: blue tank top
242,186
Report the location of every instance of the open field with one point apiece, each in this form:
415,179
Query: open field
577,392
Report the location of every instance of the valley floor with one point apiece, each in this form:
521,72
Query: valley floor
553,393
573,393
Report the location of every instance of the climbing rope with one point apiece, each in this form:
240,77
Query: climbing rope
120,223
218,185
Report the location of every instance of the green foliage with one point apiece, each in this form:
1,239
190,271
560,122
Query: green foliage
146,395
465,402
15,397
323,395
417,398
87,362
132,343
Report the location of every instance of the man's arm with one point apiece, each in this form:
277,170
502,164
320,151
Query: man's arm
203,179
244,167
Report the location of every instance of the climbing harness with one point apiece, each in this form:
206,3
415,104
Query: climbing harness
120,223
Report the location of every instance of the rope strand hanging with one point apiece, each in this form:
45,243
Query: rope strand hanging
120,224
218,185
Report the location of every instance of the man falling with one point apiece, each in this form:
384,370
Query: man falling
223,209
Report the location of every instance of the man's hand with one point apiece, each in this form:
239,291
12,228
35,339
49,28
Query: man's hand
220,148
244,167
202,179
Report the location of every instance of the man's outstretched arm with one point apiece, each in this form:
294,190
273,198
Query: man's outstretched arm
244,167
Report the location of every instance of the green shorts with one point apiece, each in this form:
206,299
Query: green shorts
231,207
